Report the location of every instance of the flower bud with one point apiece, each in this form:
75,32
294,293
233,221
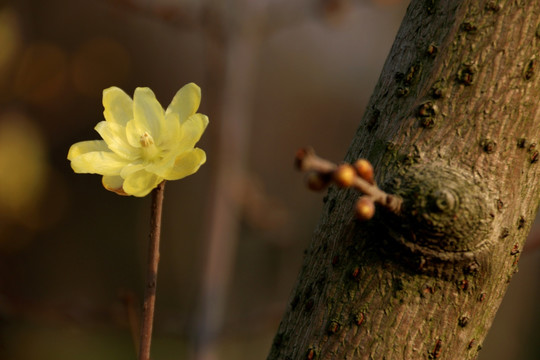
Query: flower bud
344,175
316,181
364,170
365,208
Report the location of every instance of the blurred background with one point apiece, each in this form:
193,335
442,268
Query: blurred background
276,75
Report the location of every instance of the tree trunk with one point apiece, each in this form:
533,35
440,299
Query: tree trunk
451,128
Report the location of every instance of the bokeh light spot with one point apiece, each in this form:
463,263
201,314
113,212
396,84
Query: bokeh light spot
41,76
10,38
23,166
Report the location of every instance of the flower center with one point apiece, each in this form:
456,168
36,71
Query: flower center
149,149
146,140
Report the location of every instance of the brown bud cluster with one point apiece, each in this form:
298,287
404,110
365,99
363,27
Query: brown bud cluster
320,173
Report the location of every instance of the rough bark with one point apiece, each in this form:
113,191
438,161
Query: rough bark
452,128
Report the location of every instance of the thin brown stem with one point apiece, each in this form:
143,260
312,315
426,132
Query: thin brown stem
151,274
307,160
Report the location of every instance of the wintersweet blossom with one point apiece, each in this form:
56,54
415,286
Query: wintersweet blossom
142,143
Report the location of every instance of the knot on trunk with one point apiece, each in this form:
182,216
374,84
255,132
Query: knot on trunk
445,216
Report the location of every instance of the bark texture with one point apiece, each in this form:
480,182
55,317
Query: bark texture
452,128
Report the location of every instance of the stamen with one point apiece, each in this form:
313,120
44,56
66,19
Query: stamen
146,140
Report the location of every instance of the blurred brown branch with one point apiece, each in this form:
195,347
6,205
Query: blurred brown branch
204,14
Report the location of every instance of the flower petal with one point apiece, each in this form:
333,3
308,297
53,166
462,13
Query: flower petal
118,106
186,101
114,184
84,147
115,137
130,169
140,183
186,164
172,136
148,115
133,134
98,162
171,146
192,130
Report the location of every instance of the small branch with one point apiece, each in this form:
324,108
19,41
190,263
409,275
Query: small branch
182,16
151,274
322,172
307,160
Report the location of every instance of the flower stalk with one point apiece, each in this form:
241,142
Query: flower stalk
143,145
151,273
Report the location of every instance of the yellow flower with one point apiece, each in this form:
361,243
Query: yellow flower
143,144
